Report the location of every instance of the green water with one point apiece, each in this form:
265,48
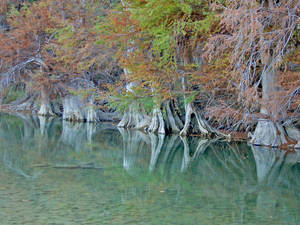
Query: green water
54,172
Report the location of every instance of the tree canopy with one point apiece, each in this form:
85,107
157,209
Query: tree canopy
230,63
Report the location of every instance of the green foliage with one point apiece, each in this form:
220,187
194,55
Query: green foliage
157,24
121,102
164,21
65,35
191,97
151,37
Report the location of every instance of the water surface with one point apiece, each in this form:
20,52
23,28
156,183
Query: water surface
55,172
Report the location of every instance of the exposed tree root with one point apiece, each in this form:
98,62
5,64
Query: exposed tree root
169,122
46,110
124,121
273,134
134,119
157,123
91,114
78,109
268,133
73,108
174,123
196,124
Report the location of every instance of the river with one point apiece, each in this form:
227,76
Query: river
57,172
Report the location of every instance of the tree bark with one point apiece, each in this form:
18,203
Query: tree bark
73,108
269,132
45,109
91,115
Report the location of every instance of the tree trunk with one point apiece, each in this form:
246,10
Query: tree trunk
269,132
73,108
157,122
192,126
91,115
45,109
173,126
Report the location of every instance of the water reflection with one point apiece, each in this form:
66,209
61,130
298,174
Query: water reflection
46,137
219,182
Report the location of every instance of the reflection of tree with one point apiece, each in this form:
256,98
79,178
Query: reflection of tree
172,144
17,136
188,156
267,160
274,170
74,134
230,172
29,144
156,146
194,174
9,164
134,145
273,165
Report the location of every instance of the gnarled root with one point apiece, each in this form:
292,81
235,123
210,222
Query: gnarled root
174,124
196,124
124,121
157,123
273,134
73,109
165,123
91,114
46,110
132,118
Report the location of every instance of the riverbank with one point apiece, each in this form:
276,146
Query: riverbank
116,119
234,136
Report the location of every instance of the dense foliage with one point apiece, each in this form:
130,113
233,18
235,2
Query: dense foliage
229,63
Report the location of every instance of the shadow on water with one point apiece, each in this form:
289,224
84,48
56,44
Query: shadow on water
156,176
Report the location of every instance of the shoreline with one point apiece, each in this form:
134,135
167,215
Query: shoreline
236,136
